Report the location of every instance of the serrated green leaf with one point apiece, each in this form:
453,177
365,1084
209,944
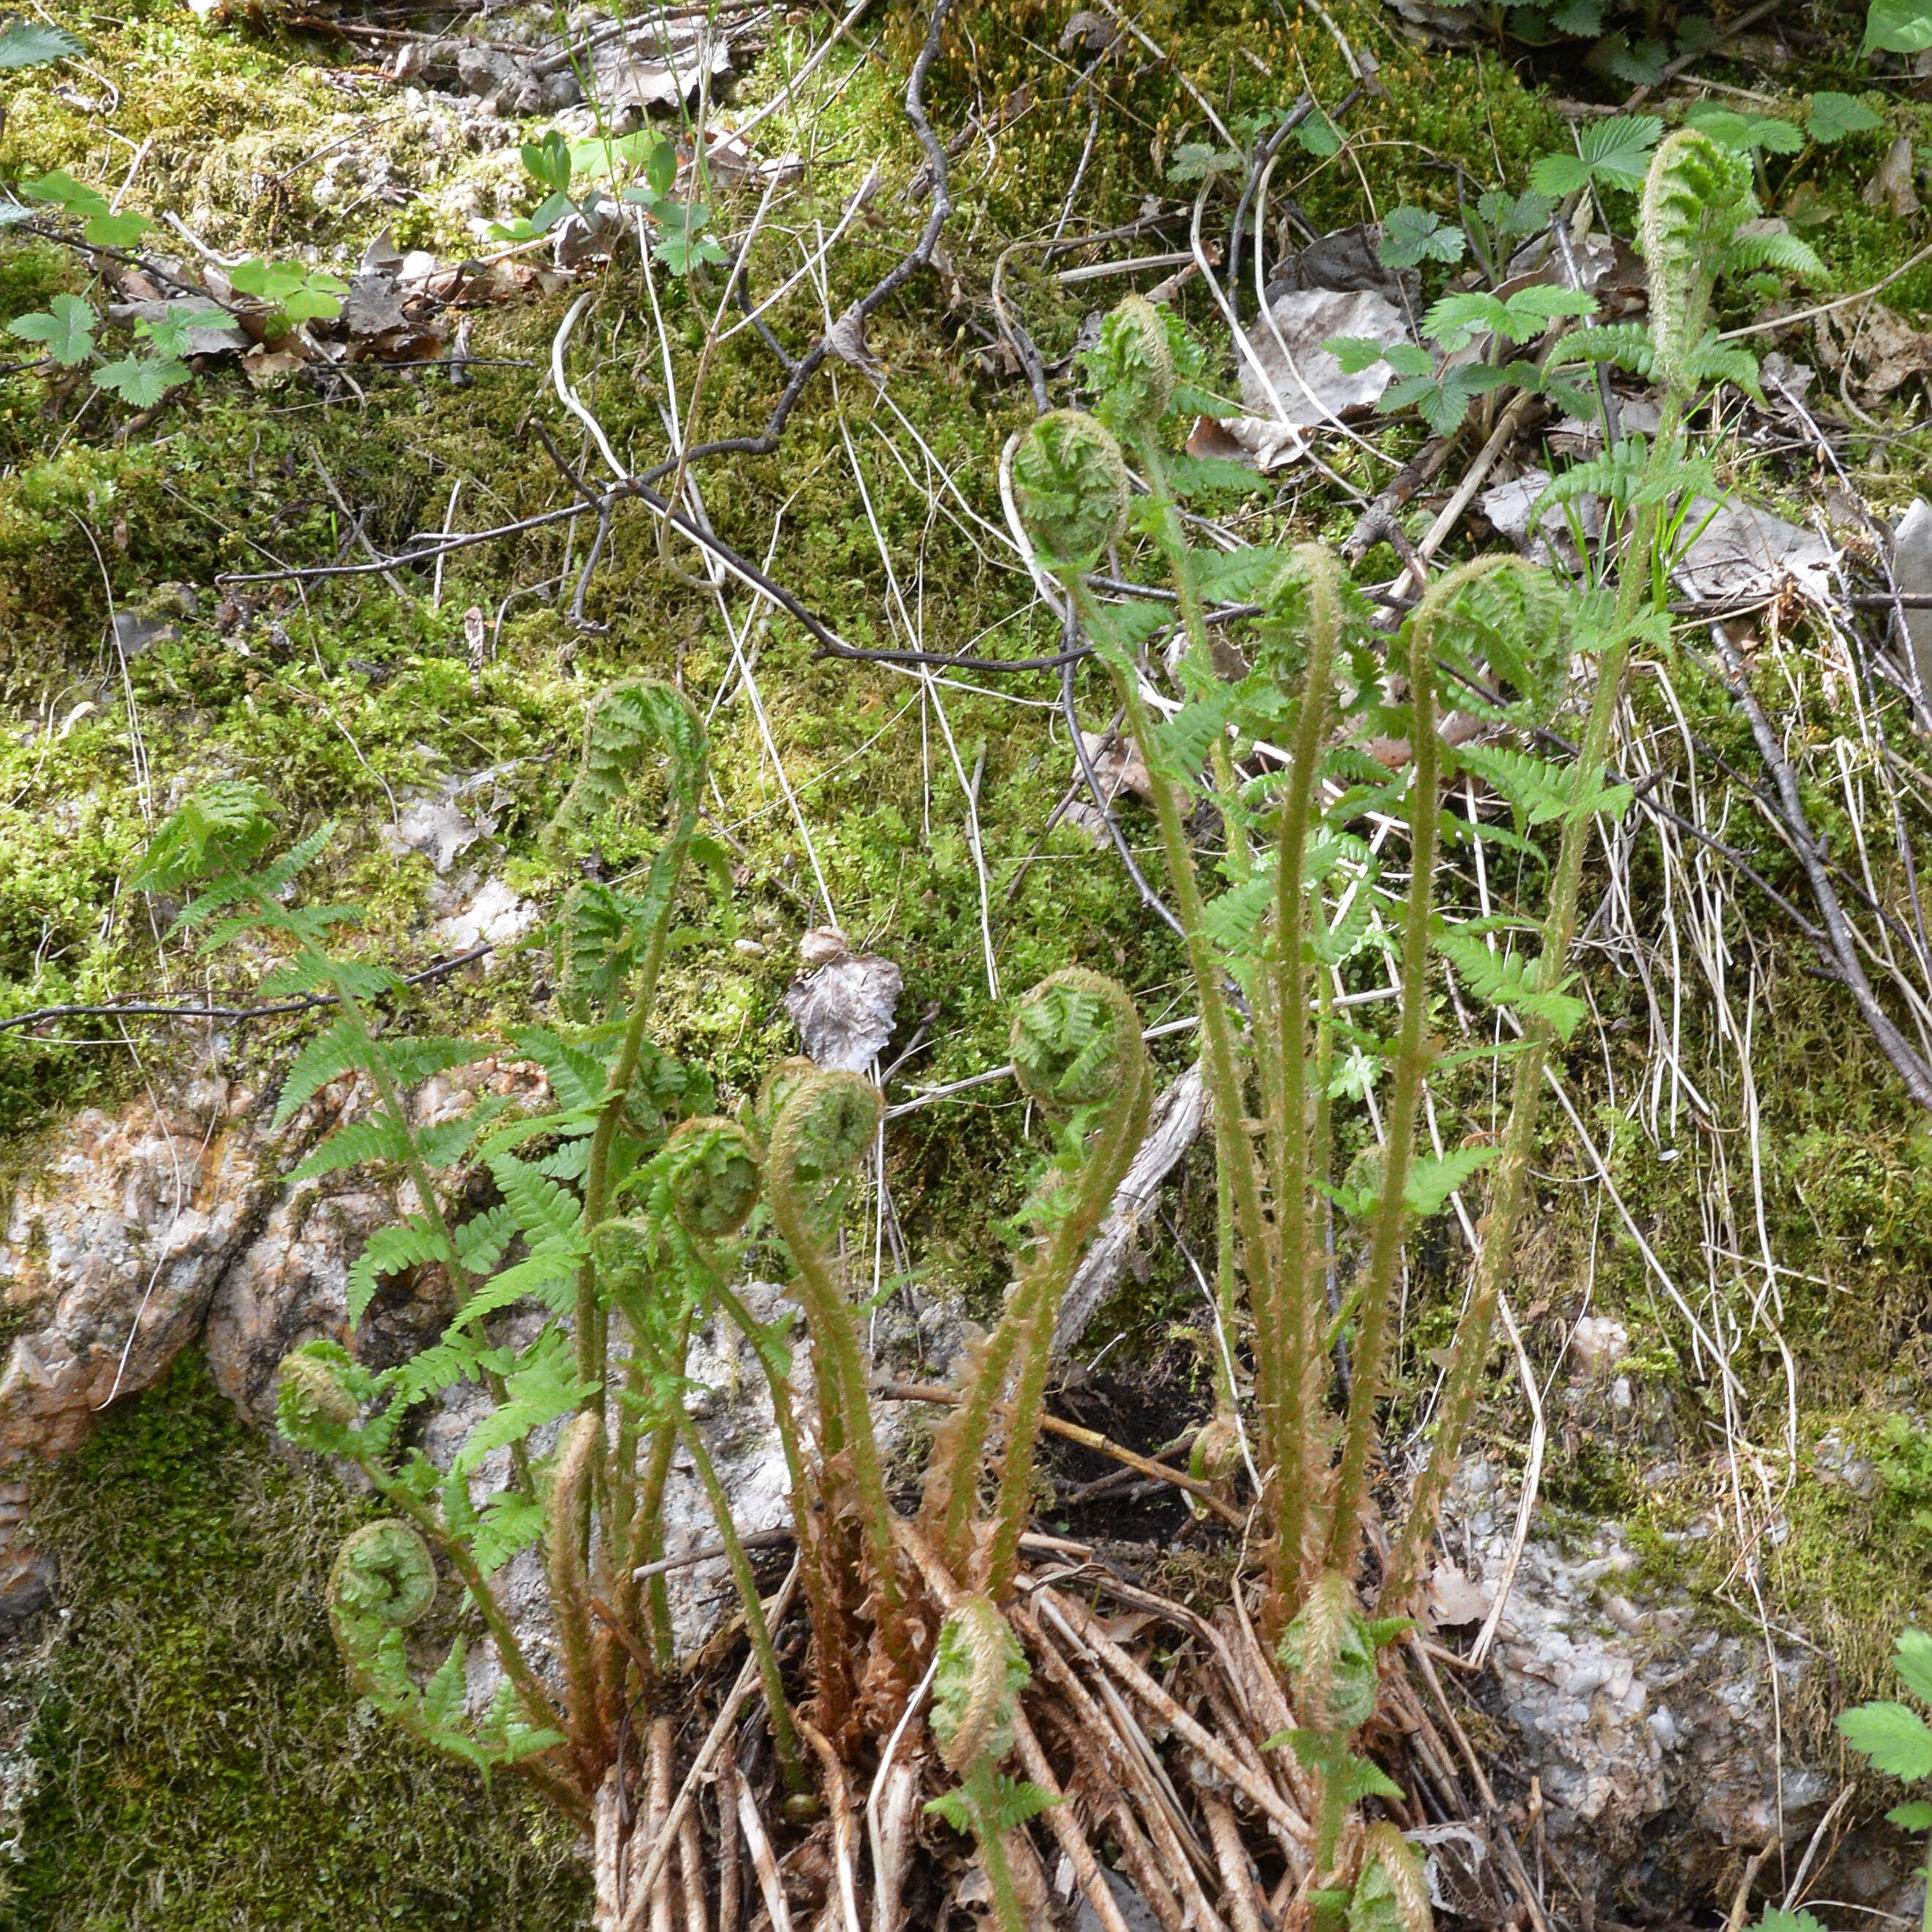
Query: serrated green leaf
1355,353
1894,1738
1915,1815
142,380
387,1251
378,1138
1318,136
1413,235
33,43
442,1695
1432,1180
1832,116
1912,1658
66,326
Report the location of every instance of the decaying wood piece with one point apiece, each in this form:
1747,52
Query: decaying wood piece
1178,1114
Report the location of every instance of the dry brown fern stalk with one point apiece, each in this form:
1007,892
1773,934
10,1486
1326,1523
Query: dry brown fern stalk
947,1692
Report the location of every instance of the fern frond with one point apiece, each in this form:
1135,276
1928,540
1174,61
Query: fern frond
548,1215
378,1138
1625,345
388,1251
327,1056
629,724
576,1078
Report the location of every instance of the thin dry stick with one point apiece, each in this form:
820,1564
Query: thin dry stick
691,1869
844,1831
1059,1817
728,1873
1493,1811
714,1742
889,1871
763,1862
1119,1767
1086,1438
1237,1880
657,1825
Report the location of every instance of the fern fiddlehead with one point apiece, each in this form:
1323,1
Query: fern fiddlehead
1285,1299
827,1124
981,1671
1439,608
1077,1051
1069,511
1695,194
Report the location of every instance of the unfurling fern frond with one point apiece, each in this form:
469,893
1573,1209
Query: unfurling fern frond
383,1579
1076,1040
982,1671
1070,488
976,1693
712,1169
601,944
1330,1651
1132,367
1696,196
320,1390
629,723
1392,1893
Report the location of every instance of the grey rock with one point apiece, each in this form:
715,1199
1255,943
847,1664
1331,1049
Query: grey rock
1134,1909
1912,566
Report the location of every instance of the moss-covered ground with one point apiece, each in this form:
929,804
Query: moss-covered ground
201,1762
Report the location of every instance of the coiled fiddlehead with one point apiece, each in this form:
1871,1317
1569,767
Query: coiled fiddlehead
1132,367
383,1579
1077,1049
827,1124
1075,1040
712,1169
383,1575
1070,487
314,1407
976,1689
1695,194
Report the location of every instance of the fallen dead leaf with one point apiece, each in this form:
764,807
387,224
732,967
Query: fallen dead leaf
843,1012
1744,552
1892,186
1888,350
1453,1599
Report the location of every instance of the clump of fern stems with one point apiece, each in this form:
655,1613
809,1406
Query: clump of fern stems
629,1201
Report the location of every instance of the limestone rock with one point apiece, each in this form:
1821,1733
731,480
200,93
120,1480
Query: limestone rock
111,1254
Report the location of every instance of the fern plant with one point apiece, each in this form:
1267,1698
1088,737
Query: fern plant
623,1208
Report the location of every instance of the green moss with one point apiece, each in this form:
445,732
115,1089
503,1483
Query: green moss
203,1763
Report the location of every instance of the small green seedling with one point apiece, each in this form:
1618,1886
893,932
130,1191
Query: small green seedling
1610,154
1413,235
296,293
